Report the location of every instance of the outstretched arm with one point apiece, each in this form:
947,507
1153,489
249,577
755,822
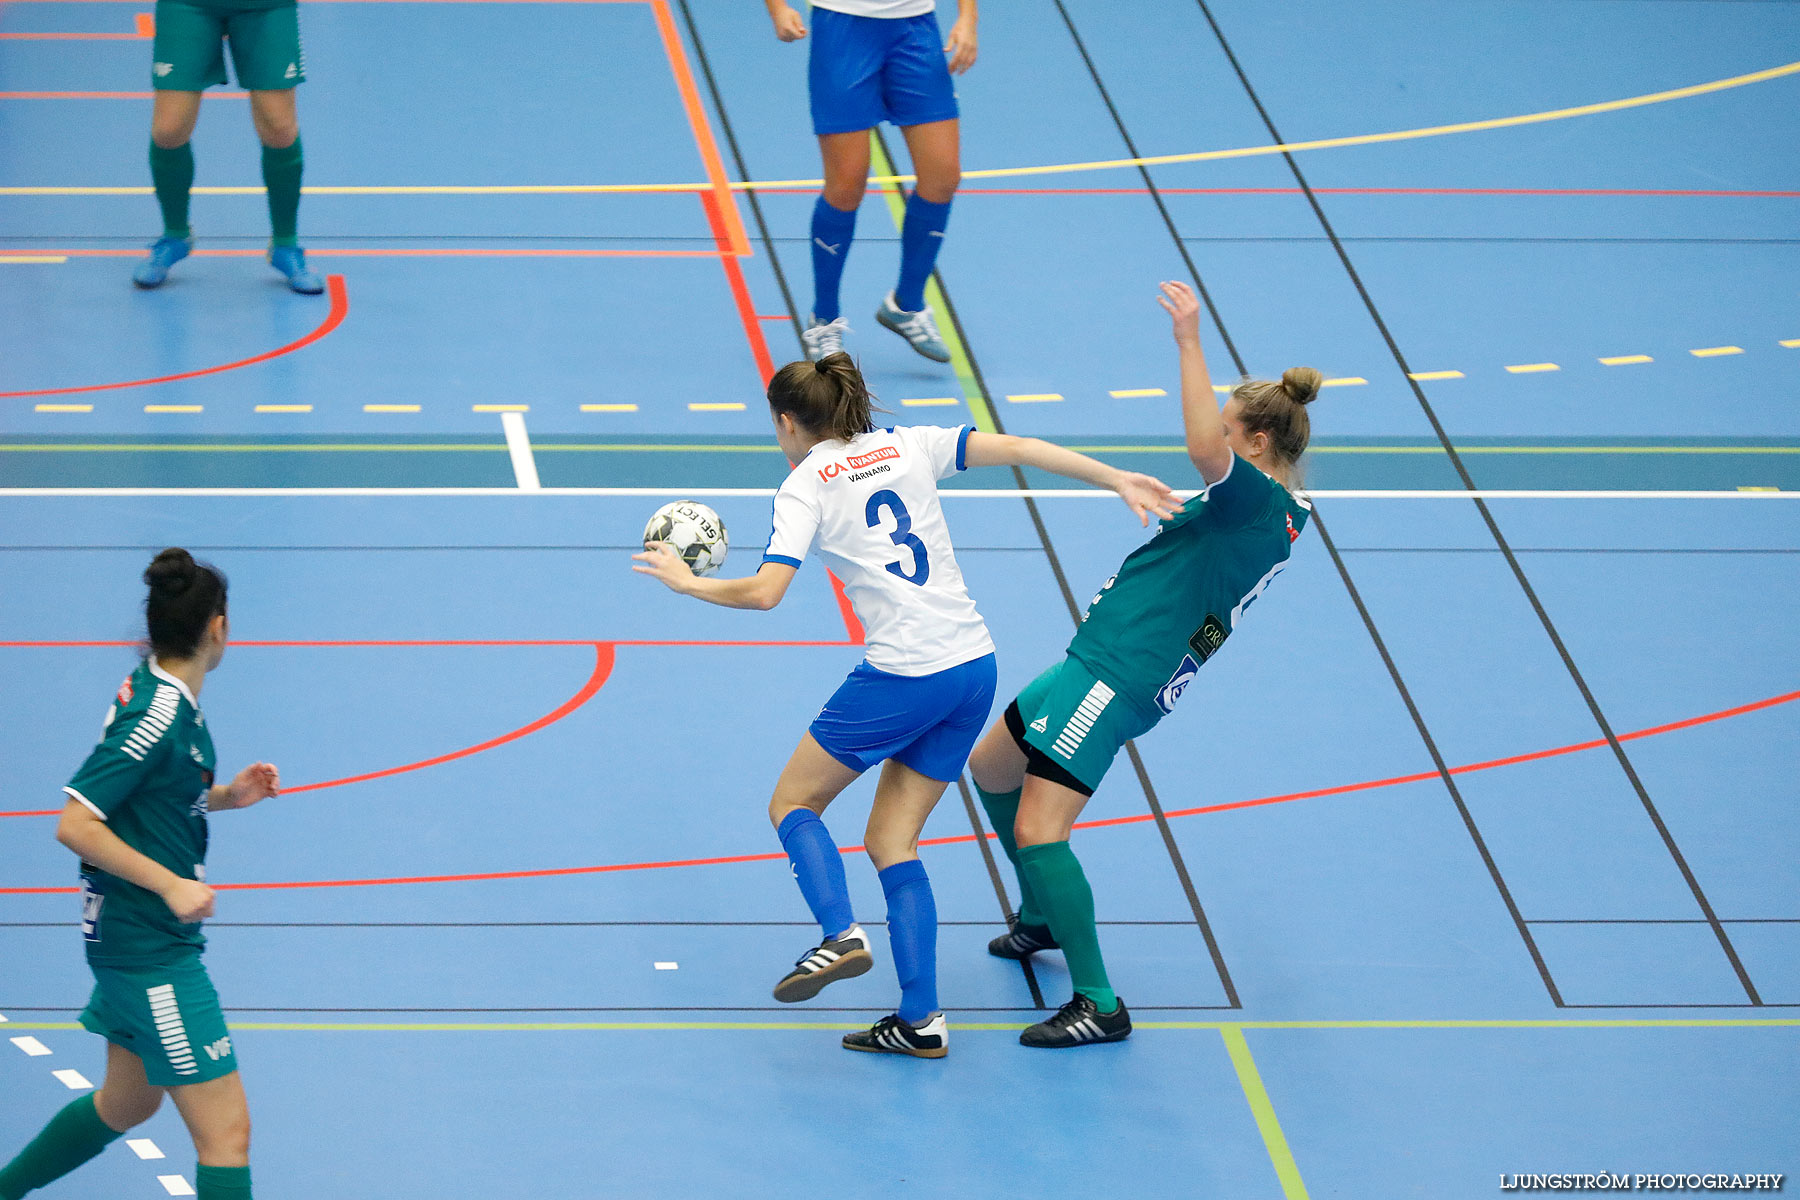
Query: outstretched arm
762,590
1200,418
1143,494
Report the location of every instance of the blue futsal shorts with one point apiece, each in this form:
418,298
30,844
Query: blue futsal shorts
866,70
926,722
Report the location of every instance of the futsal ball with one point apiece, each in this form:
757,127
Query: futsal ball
693,531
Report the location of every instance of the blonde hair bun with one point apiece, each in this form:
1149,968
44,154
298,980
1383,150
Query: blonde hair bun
1302,384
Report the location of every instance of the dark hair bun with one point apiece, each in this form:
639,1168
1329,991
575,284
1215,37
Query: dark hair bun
1302,384
172,572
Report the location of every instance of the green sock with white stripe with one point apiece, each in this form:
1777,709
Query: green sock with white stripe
1003,810
73,1136
1061,888
222,1183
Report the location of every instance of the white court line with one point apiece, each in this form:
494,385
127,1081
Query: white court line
947,493
31,1046
518,445
668,966
175,1185
75,1081
144,1148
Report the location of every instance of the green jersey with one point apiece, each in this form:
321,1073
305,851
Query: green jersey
1179,595
148,780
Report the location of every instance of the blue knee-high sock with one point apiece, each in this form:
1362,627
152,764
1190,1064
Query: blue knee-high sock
912,931
921,235
818,869
833,230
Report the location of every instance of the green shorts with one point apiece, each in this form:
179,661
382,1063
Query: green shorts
167,1016
189,53
1075,723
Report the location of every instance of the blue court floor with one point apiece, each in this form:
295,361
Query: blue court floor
1476,854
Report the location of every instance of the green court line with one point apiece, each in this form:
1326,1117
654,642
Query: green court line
961,1027
934,297
1250,1079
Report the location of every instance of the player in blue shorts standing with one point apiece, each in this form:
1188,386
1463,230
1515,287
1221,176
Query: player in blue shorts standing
1170,607
875,61
867,500
136,816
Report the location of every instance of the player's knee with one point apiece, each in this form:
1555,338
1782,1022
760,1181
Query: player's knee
939,185
278,133
225,1143
170,133
1038,828
845,194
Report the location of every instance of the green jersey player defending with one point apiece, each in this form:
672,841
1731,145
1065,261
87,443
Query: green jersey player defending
136,815
1171,606
188,57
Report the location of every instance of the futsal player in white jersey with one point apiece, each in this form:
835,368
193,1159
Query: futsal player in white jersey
867,500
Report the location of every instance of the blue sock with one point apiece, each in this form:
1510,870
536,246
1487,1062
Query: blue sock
833,229
921,235
818,869
912,931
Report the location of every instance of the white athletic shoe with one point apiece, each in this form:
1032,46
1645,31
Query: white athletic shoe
823,337
918,328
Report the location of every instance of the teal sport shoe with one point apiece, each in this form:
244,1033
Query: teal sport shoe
918,328
291,261
165,252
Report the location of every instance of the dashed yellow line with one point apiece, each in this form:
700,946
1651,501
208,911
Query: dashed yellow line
63,408
390,408
931,402
284,408
1792,343
609,408
728,406
1347,381
1035,398
1429,376
1716,351
173,408
1532,368
27,259
1758,489
1136,393
1626,360
499,408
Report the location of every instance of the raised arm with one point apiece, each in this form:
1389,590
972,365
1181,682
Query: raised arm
1200,418
1143,494
88,836
762,590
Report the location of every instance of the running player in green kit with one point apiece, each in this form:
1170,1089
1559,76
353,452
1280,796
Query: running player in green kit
1171,606
136,814
188,56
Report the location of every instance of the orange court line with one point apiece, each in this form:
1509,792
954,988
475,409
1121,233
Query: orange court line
696,115
109,95
146,25
71,37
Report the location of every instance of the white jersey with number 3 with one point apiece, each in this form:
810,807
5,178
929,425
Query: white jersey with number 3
871,508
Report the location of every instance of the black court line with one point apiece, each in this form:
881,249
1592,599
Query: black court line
1068,595
1343,570
1660,920
1487,516
1007,913
1567,550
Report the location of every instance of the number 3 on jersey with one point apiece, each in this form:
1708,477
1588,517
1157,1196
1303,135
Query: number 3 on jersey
902,535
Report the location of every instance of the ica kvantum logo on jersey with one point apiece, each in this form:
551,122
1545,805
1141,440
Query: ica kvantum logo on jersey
857,462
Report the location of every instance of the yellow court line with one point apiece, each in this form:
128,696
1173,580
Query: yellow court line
609,408
931,402
1716,351
1035,398
1428,376
1274,1141
63,408
24,259
1758,489
725,406
390,408
1346,381
1134,393
1626,360
173,408
1363,139
499,408
284,408
1532,368
1792,343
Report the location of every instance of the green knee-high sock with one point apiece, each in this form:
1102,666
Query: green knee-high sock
1068,905
281,175
73,1136
172,173
1003,810
222,1183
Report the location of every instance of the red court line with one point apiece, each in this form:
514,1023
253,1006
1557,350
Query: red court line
110,95
71,37
393,252
340,305
609,868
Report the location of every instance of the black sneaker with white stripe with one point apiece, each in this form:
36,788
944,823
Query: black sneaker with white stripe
1022,941
845,957
893,1035
1078,1023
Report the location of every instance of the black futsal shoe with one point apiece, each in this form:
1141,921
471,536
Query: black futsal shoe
1079,1023
845,957
1020,942
893,1035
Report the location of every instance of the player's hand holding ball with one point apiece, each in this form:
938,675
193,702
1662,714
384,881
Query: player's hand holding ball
682,540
